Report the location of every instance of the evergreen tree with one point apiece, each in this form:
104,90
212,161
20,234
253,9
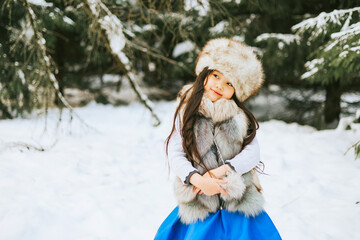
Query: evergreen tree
334,61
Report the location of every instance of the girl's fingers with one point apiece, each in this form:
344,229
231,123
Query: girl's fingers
222,191
196,190
221,181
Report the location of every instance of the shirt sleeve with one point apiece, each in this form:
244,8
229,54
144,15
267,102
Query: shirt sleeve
247,159
178,162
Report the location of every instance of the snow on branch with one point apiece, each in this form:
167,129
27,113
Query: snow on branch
40,40
113,28
286,38
202,6
312,68
352,30
115,41
320,24
183,47
345,36
41,3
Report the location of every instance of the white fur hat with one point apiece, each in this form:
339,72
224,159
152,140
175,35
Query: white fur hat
236,61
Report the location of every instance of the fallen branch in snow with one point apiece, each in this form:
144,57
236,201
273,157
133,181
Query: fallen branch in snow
28,146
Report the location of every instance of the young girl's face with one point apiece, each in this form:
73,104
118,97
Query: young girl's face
217,86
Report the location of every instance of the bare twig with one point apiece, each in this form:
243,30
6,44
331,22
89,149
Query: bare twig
150,52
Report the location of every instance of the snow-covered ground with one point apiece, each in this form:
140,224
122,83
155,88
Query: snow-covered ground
110,180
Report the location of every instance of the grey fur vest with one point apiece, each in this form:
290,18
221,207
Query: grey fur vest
226,124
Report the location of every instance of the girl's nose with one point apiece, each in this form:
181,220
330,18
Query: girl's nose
219,86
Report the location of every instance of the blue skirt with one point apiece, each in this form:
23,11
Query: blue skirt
222,225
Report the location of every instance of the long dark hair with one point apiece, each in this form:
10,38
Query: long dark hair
191,114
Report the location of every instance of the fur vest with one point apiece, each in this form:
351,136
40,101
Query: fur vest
224,123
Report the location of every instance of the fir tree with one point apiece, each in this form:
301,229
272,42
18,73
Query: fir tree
334,61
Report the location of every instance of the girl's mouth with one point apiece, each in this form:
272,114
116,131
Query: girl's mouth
216,92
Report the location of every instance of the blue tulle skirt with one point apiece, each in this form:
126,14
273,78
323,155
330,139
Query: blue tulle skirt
222,225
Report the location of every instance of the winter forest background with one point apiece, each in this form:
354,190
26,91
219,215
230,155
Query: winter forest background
87,93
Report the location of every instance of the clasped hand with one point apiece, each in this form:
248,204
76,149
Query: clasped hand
208,183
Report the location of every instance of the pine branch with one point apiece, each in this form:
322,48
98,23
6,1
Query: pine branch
93,8
46,59
356,147
319,25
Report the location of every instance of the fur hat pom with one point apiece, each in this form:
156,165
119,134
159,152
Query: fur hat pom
236,61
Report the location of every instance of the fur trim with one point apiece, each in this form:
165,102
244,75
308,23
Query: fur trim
193,207
235,186
251,202
192,212
183,192
218,111
236,61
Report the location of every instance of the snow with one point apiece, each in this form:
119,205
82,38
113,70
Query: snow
182,48
202,6
285,38
113,28
351,30
343,54
21,76
350,97
346,122
152,66
26,30
219,28
239,38
331,45
147,27
110,180
309,73
355,49
42,3
68,20
320,24
344,36
311,66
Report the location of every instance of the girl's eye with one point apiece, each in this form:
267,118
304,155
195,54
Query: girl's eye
215,75
229,84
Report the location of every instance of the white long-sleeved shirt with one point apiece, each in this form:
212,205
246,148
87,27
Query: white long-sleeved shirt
243,162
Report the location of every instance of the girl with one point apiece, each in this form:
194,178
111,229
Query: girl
217,189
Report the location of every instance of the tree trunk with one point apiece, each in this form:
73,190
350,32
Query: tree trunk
4,113
332,102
